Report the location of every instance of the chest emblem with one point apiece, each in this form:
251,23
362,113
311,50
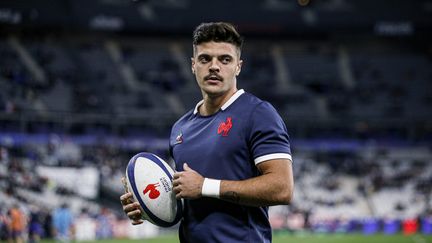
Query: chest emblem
225,127
179,139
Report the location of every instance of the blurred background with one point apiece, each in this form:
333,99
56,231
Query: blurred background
85,85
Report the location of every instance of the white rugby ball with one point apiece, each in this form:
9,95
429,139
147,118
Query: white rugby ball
149,178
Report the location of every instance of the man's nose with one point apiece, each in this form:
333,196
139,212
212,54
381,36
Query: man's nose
214,67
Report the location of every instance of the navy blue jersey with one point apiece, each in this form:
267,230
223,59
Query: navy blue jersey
227,146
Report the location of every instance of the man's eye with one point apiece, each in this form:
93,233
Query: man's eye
204,59
226,60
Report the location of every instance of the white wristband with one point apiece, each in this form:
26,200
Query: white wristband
210,188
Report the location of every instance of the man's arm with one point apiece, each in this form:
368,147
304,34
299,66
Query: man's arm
275,185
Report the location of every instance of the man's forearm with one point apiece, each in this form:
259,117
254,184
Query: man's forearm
272,188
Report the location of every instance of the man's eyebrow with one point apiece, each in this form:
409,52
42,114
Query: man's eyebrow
225,55
218,56
203,55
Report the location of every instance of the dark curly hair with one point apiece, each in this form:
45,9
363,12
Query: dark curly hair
217,32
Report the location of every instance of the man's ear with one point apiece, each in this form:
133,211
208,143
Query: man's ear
238,68
192,65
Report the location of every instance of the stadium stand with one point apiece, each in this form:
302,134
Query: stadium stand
305,81
80,95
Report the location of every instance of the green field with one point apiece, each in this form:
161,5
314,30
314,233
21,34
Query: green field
306,238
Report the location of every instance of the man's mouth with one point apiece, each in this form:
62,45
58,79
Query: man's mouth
213,77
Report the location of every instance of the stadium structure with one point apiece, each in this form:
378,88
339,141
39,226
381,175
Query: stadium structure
85,85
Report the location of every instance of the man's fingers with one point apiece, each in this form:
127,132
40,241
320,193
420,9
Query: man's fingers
176,182
176,175
126,198
130,207
134,212
123,180
186,167
134,215
139,221
176,189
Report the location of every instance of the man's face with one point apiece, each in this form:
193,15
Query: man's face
216,65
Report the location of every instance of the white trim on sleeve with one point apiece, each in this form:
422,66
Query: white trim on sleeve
272,156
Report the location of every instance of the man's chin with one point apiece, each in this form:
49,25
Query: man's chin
213,90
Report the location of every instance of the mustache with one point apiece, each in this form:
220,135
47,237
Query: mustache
213,75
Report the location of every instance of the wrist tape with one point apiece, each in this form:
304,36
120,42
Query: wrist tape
210,188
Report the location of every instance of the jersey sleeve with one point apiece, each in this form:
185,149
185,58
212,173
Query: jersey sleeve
171,140
268,135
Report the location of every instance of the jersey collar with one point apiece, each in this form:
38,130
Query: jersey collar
224,106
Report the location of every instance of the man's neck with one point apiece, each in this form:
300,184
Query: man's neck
212,104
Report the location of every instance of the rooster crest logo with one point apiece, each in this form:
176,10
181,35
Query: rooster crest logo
153,191
179,139
225,127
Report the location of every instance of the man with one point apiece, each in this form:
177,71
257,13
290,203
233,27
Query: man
17,224
232,151
63,224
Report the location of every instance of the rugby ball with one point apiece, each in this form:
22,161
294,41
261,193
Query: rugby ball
149,178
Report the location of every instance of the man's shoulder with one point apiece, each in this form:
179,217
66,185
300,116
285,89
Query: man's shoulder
185,117
247,100
251,98
254,102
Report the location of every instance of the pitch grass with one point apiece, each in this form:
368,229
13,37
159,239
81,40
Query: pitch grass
301,238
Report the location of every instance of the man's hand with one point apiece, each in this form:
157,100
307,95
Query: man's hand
188,183
131,208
